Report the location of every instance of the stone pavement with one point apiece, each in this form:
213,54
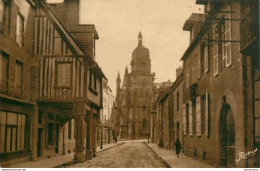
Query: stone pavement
171,159
132,154
53,161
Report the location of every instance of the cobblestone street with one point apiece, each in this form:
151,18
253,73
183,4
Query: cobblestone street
129,155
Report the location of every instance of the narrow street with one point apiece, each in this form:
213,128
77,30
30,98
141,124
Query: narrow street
132,154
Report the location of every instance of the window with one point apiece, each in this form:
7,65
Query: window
57,43
194,116
193,69
50,133
40,116
206,59
69,130
226,38
203,114
198,69
92,80
215,50
19,29
64,74
188,119
5,15
177,100
184,119
4,67
12,127
18,74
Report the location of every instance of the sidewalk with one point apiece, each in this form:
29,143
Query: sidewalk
171,159
54,161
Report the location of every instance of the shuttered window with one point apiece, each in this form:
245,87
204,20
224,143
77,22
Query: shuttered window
198,116
64,74
226,38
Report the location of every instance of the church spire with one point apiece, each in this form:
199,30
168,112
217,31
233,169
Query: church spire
140,39
118,81
126,70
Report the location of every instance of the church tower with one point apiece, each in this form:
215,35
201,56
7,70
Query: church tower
134,98
141,61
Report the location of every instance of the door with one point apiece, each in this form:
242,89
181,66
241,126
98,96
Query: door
39,142
227,137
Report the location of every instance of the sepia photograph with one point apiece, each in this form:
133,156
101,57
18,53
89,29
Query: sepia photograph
129,84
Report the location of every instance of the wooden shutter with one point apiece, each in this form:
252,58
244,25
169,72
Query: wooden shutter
198,116
184,119
190,118
207,115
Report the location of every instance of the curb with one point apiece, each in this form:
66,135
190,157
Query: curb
168,166
72,162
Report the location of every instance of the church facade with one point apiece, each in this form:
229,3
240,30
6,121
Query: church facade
134,97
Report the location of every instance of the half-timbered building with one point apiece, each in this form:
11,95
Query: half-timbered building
51,85
70,81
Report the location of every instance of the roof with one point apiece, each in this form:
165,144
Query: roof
73,40
193,19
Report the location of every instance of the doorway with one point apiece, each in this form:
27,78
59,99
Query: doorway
227,136
39,142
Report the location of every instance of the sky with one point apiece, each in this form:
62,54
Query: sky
118,23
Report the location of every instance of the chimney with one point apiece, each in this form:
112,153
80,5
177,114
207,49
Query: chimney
71,9
67,12
179,71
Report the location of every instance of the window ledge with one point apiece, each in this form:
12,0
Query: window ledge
63,87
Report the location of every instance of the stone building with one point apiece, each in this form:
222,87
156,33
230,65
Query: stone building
133,99
217,111
169,112
249,47
105,130
16,104
159,112
51,101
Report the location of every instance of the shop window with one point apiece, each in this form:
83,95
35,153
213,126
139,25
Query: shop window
12,127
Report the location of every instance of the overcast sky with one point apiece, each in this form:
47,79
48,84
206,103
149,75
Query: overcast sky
118,23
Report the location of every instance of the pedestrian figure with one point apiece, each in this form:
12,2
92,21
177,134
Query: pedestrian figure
115,139
178,147
160,143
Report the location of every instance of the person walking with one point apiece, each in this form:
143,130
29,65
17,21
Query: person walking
178,147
